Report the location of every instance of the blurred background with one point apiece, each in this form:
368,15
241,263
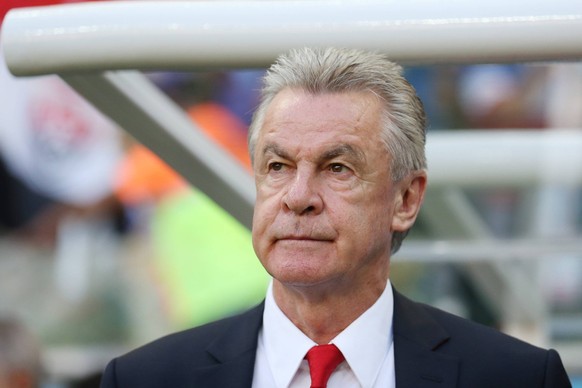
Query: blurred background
103,247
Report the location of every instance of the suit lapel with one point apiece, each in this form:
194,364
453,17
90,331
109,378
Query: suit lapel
417,337
234,351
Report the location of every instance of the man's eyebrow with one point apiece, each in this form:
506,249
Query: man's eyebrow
275,149
341,150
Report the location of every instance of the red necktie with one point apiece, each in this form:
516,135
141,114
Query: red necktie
323,359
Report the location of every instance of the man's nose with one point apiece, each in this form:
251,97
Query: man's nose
303,195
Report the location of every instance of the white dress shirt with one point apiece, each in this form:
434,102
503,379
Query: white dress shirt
366,344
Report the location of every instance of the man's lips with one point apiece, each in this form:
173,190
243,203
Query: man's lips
304,238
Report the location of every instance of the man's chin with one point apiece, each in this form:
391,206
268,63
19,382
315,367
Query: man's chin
301,276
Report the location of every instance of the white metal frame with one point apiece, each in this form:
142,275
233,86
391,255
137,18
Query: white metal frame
193,34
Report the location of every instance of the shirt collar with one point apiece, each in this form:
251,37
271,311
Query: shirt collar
280,333
364,343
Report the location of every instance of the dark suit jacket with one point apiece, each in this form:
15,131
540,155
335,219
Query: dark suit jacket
432,349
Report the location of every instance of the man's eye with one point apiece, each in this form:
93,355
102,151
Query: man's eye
336,167
275,166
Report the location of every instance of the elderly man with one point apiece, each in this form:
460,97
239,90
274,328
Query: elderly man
338,153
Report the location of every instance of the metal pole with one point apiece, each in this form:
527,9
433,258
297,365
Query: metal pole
188,35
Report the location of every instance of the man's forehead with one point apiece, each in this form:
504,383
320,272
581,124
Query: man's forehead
344,112
289,99
329,124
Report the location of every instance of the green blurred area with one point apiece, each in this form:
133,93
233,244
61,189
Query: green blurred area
205,260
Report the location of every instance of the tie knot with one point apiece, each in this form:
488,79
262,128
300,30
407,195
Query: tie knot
323,359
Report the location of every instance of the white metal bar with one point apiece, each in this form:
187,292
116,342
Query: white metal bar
523,158
487,250
185,35
151,117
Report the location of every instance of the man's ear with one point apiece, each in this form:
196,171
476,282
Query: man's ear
408,200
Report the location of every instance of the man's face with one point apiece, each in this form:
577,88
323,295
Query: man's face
325,198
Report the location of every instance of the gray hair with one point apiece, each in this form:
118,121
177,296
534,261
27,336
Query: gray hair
335,70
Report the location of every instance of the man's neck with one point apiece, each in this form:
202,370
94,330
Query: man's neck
320,313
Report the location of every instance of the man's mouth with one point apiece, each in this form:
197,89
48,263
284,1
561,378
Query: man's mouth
304,238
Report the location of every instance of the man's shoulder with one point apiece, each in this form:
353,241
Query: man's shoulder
193,343
485,353
465,332
184,358
423,322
